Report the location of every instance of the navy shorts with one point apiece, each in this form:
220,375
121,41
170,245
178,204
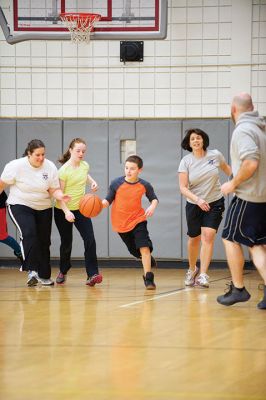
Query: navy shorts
197,218
137,238
245,223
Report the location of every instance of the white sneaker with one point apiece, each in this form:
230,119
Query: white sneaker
202,280
32,278
45,282
191,276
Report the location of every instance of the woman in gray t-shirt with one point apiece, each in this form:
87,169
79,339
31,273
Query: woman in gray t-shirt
199,183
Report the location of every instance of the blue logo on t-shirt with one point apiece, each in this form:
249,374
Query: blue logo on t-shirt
211,162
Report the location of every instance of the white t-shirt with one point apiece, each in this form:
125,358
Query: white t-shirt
29,185
203,175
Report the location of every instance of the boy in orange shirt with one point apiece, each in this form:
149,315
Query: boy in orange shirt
128,217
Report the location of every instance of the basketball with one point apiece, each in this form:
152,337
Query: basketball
90,205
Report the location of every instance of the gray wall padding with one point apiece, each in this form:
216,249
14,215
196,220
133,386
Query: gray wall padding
158,143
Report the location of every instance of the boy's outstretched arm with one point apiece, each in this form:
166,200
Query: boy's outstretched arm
150,210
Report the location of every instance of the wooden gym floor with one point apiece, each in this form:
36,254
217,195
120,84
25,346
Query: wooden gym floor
118,341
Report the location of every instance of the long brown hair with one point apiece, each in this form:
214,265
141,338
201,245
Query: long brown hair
66,156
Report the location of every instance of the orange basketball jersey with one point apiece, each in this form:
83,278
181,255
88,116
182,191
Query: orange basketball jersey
126,197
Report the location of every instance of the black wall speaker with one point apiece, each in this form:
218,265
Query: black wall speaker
131,51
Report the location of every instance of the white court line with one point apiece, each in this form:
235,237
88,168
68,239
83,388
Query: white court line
160,296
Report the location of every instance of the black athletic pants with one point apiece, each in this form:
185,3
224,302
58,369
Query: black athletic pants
34,227
85,228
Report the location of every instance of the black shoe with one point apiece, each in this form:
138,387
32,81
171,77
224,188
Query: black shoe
262,304
153,262
19,257
233,296
149,281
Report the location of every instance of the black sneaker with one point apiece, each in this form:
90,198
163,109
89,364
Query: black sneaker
233,296
153,262
149,281
262,304
19,257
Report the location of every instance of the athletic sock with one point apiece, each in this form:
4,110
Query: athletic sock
240,289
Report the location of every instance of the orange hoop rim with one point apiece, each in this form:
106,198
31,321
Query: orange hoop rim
80,25
75,15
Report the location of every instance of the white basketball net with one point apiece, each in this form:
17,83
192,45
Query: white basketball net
81,25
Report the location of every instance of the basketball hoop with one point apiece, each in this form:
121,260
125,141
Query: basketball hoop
80,25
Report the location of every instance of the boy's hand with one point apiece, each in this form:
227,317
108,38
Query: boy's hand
105,203
150,211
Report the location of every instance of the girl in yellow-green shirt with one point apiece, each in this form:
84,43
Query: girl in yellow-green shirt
74,176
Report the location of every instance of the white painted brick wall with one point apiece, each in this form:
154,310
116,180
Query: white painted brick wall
193,73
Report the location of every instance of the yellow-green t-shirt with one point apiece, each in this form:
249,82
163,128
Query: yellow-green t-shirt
75,180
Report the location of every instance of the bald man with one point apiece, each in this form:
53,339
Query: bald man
245,222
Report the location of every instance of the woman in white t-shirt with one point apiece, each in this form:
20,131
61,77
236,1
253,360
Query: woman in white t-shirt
33,181
199,183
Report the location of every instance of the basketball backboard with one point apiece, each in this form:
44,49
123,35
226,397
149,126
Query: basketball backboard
121,19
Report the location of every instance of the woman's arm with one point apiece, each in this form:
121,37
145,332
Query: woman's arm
226,169
68,214
93,183
3,185
183,185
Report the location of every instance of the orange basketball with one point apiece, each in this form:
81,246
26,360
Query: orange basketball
90,205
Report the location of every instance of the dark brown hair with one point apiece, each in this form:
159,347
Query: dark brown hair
185,142
135,159
33,145
66,156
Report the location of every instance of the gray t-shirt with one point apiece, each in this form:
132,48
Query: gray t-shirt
203,175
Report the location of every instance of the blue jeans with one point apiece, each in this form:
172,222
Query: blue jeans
13,244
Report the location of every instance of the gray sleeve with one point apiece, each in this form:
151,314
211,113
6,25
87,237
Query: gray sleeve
221,158
183,166
246,146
